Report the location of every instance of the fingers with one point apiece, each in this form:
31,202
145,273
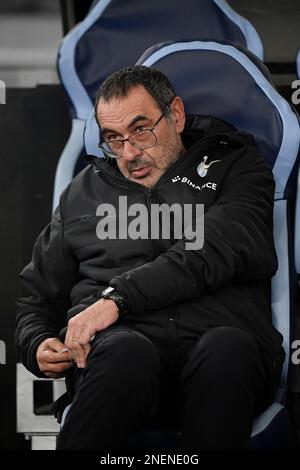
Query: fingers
80,352
57,346
83,326
53,357
77,349
48,366
52,344
57,371
78,338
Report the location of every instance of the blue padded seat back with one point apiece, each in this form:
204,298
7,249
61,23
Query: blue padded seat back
116,32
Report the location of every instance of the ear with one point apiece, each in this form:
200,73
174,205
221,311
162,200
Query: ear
177,109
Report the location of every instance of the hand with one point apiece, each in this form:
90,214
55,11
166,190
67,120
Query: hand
53,358
86,324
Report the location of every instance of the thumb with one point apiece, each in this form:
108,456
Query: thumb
54,344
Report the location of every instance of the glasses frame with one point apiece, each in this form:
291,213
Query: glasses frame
150,129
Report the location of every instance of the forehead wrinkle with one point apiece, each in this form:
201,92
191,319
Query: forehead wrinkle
135,120
121,113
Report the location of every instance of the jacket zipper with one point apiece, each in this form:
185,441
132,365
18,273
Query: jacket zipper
150,199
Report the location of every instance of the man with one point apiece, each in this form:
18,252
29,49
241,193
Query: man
158,331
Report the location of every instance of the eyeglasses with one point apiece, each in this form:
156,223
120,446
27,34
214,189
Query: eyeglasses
141,140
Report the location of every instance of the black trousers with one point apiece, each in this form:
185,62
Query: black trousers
209,387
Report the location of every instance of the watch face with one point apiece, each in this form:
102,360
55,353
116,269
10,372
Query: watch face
108,290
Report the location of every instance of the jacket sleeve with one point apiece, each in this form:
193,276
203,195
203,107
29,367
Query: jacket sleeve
238,243
47,282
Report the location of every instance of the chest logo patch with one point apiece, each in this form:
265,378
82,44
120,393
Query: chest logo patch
203,167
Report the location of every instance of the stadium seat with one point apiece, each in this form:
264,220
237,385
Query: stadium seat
232,84
115,34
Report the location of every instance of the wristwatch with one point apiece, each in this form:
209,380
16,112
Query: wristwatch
119,299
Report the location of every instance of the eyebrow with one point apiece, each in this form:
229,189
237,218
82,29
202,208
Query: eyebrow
138,118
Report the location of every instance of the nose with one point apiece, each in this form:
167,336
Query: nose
130,152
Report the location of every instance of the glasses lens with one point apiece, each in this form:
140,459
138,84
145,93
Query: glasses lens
114,148
143,139
140,140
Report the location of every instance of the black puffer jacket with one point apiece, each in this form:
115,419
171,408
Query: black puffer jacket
226,282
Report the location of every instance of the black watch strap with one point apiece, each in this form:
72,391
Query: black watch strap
119,299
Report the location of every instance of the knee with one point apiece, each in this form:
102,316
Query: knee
224,351
125,352
226,341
